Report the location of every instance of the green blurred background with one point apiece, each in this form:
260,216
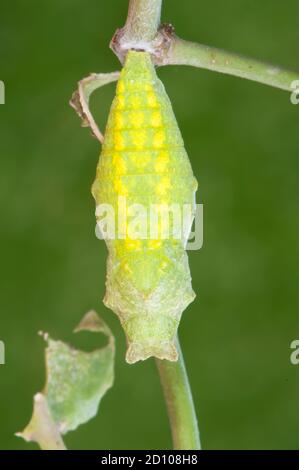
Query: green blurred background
242,139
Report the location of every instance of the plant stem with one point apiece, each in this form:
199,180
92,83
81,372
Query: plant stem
178,396
141,26
183,52
142,31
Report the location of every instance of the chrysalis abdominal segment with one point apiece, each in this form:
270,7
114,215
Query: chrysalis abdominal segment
143,159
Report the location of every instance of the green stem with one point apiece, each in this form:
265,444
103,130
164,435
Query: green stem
142,22
178,396
183,52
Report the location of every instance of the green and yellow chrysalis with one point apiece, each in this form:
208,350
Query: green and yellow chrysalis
144,167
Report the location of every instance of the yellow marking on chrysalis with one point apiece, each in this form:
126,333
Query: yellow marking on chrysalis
135,102
119,163
159,139
154,244
148,87
156,119
119,121
162,162
140,160
132,244
120,86
152,100
163,186
119,142
136,118
120,188
138,139
120,102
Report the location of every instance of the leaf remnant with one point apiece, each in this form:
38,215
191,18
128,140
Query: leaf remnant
76,382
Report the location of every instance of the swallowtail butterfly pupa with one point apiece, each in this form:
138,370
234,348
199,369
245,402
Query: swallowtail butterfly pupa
143,160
